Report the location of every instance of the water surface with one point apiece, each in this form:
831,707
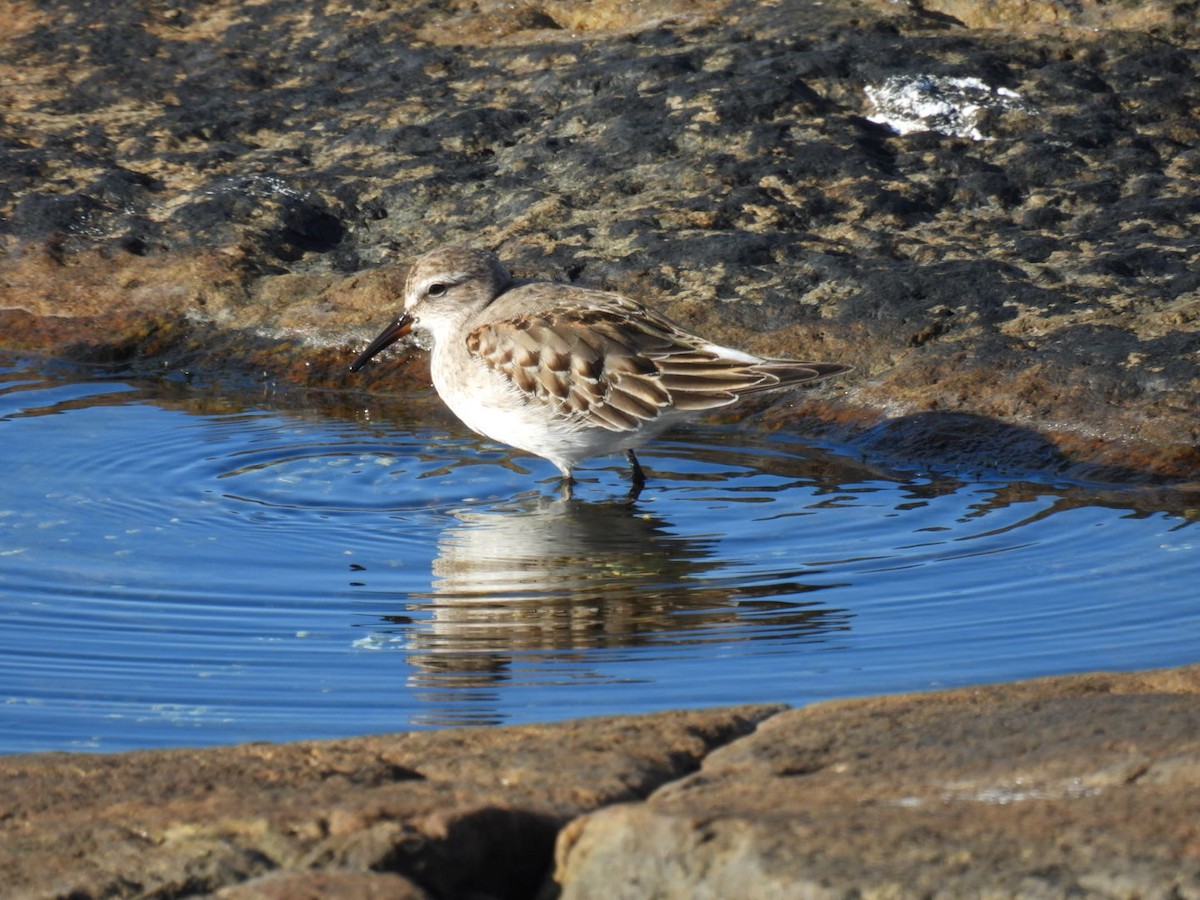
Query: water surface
185,565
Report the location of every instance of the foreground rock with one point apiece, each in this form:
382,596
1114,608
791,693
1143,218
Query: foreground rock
445,814
207,184
1065,787
1075,786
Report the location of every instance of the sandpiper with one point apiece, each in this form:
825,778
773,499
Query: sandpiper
564,372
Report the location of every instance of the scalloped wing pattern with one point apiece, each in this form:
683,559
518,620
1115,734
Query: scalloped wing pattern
618,368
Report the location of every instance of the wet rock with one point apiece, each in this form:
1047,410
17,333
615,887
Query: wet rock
447,814
1078,786
213,185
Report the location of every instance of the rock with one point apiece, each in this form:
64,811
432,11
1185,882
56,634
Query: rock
1073,786
1032,15
324,885
456,813
216,185
1085,785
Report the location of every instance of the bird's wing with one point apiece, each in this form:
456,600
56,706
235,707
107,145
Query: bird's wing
614,364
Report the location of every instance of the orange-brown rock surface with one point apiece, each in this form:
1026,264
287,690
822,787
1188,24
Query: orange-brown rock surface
469,812
1078,786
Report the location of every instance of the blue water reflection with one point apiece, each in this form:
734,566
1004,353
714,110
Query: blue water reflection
193,565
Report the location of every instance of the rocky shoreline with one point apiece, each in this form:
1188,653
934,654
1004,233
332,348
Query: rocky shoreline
989,208
1077,786
207,186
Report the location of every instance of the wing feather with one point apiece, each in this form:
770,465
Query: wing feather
615,365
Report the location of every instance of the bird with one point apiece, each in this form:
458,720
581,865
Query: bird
566,372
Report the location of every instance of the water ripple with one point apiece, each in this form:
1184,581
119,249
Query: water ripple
184,565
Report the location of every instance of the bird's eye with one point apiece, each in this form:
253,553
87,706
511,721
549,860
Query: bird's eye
436,289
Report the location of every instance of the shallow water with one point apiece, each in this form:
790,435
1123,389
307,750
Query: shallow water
184,565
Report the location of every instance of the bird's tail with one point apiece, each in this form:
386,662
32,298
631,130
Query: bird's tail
790,372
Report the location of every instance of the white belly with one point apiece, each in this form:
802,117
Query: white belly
490,405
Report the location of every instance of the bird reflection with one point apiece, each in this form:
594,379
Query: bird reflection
564,580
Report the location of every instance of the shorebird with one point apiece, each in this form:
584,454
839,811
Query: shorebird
563,372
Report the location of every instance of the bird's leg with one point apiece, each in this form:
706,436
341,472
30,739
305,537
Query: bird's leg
566,485
637,477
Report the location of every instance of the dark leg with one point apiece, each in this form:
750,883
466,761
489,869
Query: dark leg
636,475
566,487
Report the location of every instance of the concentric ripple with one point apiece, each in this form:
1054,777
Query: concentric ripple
185,565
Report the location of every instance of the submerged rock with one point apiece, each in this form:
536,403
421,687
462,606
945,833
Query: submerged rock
212,184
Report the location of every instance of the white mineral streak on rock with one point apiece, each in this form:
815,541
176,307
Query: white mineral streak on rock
954,106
